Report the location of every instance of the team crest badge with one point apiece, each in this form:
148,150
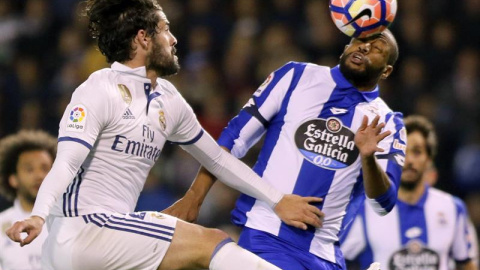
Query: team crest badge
125,93
162,120
333,125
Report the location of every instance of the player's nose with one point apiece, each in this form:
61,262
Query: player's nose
365,47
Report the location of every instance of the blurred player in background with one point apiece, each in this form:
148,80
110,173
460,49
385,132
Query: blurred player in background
329,135
426,228
111,134
25,159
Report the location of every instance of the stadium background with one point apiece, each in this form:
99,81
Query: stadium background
226,49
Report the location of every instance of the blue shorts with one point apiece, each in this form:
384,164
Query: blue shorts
283,254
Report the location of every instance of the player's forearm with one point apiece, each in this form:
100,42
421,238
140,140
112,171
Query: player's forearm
381,192
201,185
70,156
375,180
232,171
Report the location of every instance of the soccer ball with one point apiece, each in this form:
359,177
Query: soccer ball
362,18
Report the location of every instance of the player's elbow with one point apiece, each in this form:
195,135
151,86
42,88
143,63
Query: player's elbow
384,203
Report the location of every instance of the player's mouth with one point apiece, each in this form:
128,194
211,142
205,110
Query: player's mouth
357,58
409,171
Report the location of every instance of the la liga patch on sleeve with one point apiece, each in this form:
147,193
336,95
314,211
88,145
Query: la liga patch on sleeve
77,119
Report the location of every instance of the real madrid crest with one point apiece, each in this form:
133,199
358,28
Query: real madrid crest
162,120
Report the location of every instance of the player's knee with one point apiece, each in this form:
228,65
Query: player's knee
216,236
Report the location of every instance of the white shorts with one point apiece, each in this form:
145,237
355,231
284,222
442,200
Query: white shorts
98,241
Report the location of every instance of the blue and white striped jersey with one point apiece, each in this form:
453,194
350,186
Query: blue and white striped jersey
310,114
426,235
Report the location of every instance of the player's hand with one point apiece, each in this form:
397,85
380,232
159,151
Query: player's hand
186,208
32,226
299,212
368,136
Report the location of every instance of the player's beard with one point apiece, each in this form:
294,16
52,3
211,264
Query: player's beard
370,75
161,62
411,184
26,194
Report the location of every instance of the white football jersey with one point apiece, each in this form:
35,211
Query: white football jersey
423,236
12,256
125,124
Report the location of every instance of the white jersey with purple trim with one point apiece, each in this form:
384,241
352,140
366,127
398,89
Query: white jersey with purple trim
12,256
426,235
310,115
125,123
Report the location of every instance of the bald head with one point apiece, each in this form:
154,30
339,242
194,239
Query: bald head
388,36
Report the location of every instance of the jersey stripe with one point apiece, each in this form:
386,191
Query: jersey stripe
192,141
80,141
132,225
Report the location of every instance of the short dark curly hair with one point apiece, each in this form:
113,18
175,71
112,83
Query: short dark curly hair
425,127
12,146
115,23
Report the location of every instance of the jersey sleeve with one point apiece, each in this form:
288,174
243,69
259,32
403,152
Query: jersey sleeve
87,113
244,130
187,129
391,160
462,246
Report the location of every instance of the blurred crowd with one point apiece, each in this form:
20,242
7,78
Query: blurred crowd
226,49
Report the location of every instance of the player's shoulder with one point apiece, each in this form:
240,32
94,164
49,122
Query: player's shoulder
308,67
440,194
383,106
167,87
312,74
443,197
97,82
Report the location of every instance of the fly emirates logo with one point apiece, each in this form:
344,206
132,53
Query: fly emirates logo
141,149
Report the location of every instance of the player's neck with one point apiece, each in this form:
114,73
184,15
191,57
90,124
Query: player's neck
152,75
135,63
411,196
26,205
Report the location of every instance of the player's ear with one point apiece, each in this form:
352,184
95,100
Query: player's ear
142,38
344,49
13,181
386,72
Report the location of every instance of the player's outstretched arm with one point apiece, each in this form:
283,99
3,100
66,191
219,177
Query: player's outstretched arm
32,226
376,181
292,209
70,156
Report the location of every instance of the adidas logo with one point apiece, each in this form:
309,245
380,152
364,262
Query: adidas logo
128,114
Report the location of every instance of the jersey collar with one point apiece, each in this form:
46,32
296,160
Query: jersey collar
139,72
343,83
421,202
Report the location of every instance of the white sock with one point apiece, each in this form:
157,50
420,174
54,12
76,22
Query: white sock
229,256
